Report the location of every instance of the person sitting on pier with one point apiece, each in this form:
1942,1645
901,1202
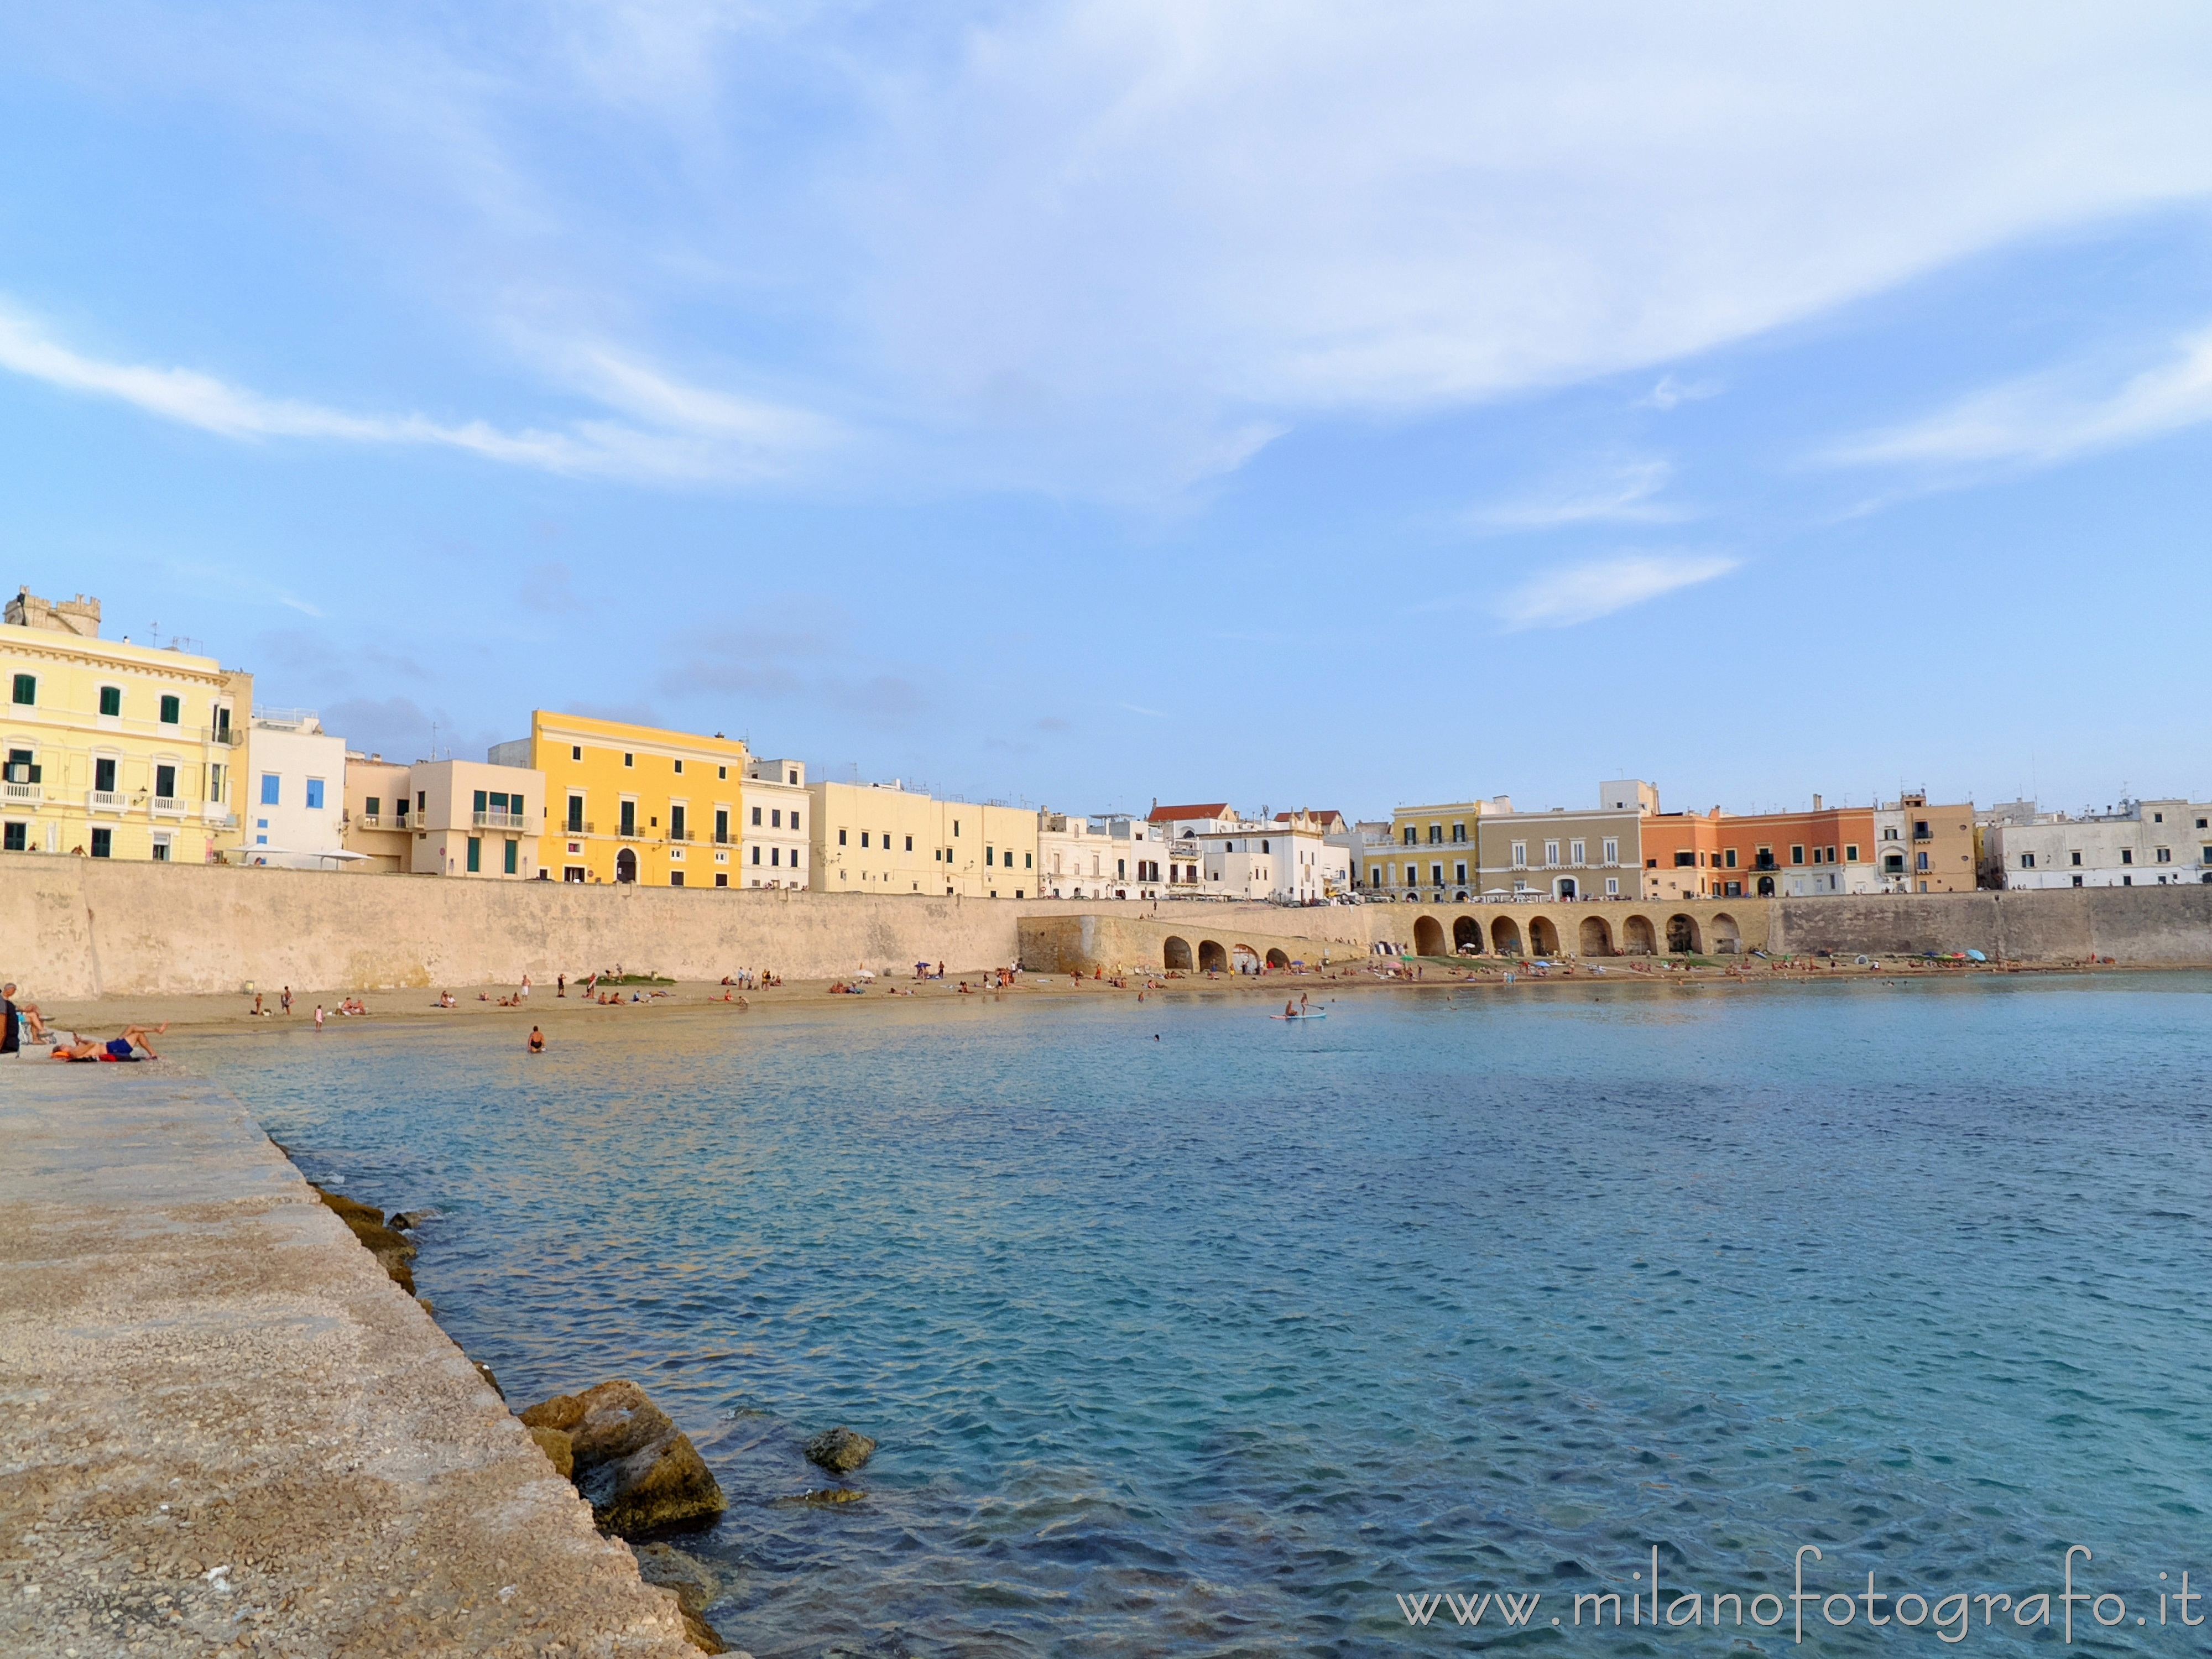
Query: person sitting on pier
115,1048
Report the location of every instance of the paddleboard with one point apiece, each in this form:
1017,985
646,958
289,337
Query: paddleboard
1317,1013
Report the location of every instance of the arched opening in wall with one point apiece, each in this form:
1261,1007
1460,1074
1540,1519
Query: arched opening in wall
1248,959
1637,938
1428,937
1460,898
1278,959
1726,940
1766,887
1543,937
1177,953
1211,956
1682,937
1564,888
1466,936
1596,938
1504,938
625,866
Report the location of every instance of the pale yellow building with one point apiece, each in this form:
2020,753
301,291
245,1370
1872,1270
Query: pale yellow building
634,803
884,838
115,750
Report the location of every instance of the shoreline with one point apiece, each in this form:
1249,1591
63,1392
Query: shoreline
213,1014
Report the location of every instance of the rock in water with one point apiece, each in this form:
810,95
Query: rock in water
840,1450
557,1448
368,1224
695,1582
636,1470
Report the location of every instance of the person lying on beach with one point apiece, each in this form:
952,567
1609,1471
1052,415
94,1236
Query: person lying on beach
115,1050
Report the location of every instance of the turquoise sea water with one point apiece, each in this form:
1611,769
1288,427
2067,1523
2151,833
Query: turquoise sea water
1223,1343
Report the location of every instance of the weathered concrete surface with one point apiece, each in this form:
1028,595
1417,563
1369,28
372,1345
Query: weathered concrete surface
201,1369
2170,924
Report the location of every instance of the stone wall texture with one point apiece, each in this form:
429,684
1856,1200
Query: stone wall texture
81,927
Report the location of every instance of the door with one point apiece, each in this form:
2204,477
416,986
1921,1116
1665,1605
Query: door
625,865
165,782
103,776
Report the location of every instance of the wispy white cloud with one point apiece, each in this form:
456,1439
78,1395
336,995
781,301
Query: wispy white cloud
1624,497
1584,593
703,435
1671,393
2041,420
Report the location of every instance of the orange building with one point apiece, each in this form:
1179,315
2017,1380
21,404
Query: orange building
1829,849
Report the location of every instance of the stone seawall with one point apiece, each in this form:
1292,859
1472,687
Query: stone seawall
78,928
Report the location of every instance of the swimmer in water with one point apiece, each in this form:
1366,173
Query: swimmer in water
537,1040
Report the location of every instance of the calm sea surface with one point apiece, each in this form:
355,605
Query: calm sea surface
1221,1343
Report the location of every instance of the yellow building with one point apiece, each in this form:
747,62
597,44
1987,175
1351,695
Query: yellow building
884,838
115,750
632,803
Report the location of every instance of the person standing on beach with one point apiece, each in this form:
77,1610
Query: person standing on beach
525,985
318,1016
286,999
561,985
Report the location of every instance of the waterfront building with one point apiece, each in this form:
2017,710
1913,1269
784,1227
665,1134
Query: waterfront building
293,809
379,821
772,827
1079,857
2137,843
484,819
115,750
1286,859
629,803
1827,850
1921,847
1564,853
1433,847
887,838
1180,827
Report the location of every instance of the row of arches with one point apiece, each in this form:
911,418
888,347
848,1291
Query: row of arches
1212,956
1639,936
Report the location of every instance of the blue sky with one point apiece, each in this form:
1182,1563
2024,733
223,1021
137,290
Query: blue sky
1085,403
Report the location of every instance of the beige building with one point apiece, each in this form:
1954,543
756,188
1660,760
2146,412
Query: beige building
380,822
772,844
1565,855
886,838
476,819
1925,848
115,750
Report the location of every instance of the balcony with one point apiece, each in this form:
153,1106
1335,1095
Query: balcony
366,820
682,835
168,806
21,795
106,800
217,814
579,827
500,820
228,736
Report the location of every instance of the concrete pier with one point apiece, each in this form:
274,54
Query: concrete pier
224,1431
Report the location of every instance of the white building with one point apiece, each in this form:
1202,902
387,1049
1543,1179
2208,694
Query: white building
293,802
773,837
2139,843
1287,860
1081,857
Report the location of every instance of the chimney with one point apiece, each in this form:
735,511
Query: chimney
1816,803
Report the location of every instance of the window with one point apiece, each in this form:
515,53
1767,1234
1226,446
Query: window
1575,849
1520,854
774,817
1613,851
373,805
909,843
1730,859
775,856
722,825
864,839
421,800
483,804
1920,862
476,853
722,774
2166,855
271,790
26,689
674,877
2027,860
1435,835
575,815
629,759
2074,857
794,823
314,794
676,814
2127,855
629,818
956,828
1263,846
756,818
1435,875
103,843
1852,852
721,876
1459,875
511,856
794,858
1612,886
679,768
2078,881
576,752
172,710
110,702
2158,818
840,838
987,858
215,786
756,854
17,838
1796,855
1551,852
